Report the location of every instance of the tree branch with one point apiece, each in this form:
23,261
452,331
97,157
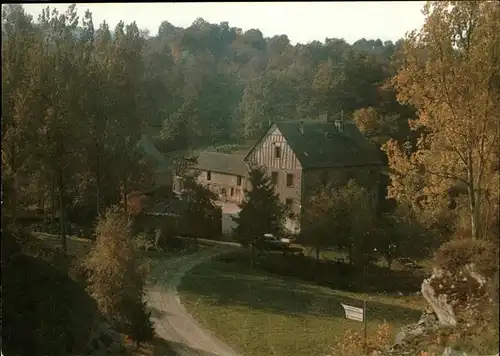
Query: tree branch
448,176
448,101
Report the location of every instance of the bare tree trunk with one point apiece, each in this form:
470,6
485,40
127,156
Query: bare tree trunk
252,255
52,204
62,222
124,177
125,203
473,211
41,201
473,202
14,181
98,185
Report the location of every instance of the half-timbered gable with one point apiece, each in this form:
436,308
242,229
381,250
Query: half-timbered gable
275,154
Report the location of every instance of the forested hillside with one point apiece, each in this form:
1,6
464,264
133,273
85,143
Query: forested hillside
212,83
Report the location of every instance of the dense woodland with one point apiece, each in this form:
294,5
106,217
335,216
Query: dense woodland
78,96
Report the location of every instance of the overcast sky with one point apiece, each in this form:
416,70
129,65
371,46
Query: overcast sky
302,21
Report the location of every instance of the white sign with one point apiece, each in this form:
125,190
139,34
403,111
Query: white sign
353,313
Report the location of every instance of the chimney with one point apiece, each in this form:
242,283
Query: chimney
301,126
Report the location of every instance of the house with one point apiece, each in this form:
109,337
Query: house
300,156
224,174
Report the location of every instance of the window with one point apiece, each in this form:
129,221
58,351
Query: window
209,175
238,181
289,202
289,180
274,178
277,152
232,192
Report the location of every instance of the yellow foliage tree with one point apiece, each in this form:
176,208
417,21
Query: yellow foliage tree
451,74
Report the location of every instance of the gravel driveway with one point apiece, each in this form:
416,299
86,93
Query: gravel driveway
172,322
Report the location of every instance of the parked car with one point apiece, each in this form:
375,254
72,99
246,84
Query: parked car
271,242
409,263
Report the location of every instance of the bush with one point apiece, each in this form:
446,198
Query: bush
457,253
143,241
44,311
352,343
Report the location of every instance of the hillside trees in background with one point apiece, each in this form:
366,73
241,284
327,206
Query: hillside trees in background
254,79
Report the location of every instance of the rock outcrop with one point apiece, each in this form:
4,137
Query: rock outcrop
454,302
440,303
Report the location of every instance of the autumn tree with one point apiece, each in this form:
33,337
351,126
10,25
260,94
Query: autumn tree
399,234
18,98
340,217
450,73
319,221
356,201
376,126
116,279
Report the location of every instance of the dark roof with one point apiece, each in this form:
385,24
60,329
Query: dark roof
172,206
320,144
221,163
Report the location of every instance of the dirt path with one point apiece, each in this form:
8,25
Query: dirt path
172,322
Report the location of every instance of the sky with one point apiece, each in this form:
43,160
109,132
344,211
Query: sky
302,22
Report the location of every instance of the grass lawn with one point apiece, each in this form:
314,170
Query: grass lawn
259,313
